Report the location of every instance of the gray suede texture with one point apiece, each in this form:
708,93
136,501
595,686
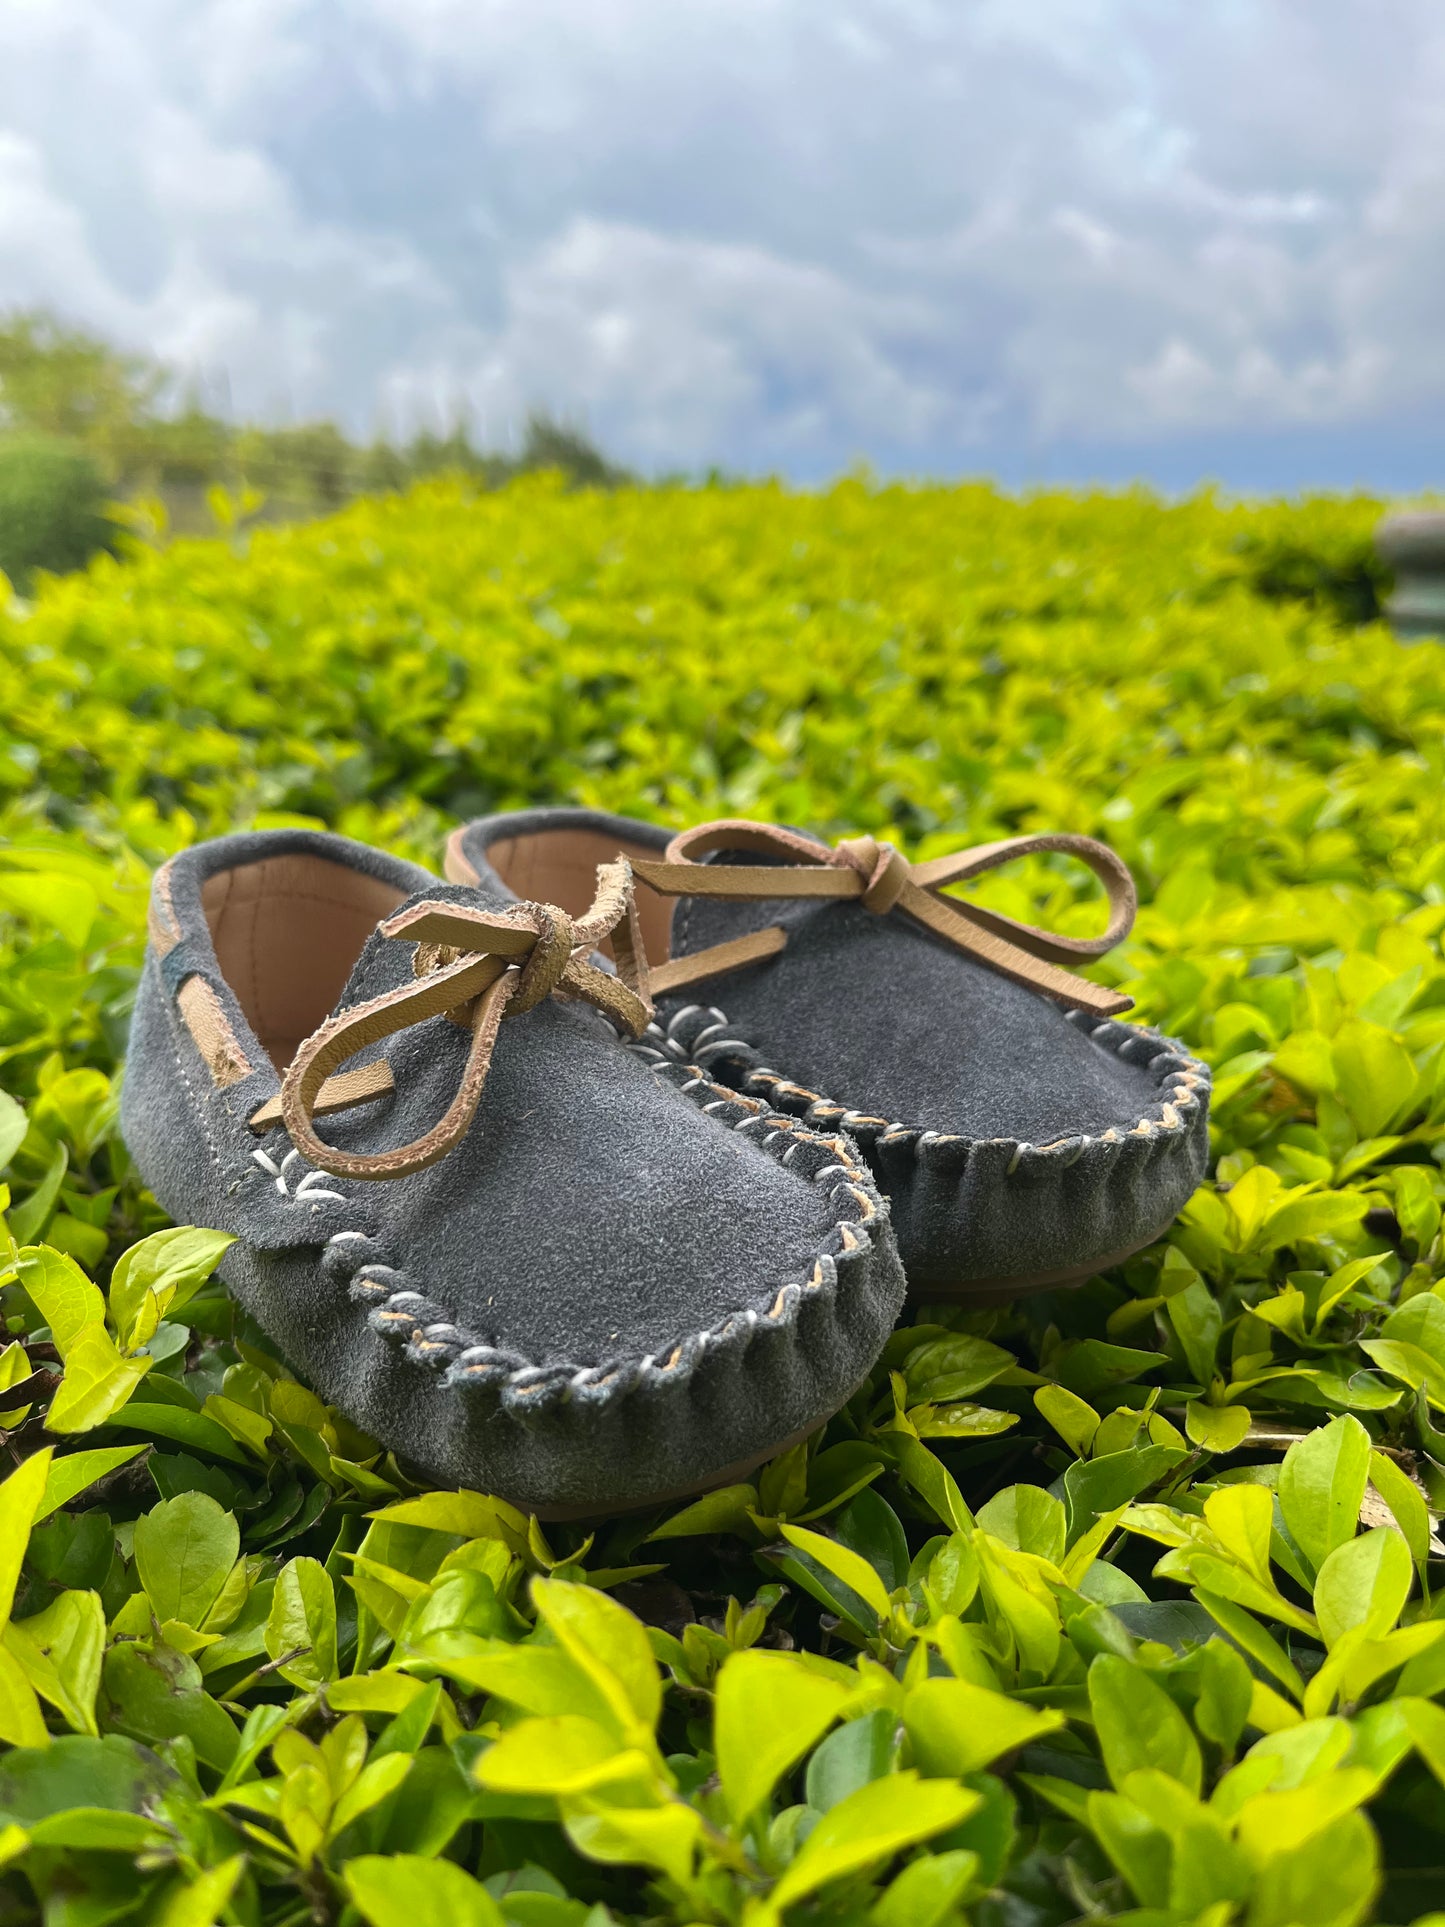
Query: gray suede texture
1015,1140
624,1281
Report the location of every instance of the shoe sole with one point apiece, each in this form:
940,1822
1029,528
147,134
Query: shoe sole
732,1474
987,1293
982,1294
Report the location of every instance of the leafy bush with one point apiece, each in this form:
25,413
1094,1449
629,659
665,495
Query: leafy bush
1332,561
52,507
1119,1604
151,438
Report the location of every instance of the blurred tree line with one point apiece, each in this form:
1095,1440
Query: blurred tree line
84,425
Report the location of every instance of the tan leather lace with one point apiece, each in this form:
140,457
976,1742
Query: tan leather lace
477,967
883,880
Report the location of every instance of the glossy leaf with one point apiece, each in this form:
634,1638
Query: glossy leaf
184,1551
872,1824
770,1711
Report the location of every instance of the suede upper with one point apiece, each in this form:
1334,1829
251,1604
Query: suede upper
546,1311
1013,1137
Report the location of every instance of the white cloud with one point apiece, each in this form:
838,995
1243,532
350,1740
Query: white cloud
677,344
928,231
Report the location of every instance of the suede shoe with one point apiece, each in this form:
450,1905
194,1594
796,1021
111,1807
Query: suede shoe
521,1256
1024,1137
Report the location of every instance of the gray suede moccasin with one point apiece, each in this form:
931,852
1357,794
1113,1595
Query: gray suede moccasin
524,1258
1024,1138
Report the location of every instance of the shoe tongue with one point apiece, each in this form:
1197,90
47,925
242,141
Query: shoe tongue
385,963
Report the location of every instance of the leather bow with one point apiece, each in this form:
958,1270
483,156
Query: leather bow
884,881
476,967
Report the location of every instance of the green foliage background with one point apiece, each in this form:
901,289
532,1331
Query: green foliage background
80,419
1117,1605
53,507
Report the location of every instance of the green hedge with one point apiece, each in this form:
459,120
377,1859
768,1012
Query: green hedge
52,507
1118,1605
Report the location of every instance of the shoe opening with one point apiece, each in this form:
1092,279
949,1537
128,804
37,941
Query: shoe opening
287,931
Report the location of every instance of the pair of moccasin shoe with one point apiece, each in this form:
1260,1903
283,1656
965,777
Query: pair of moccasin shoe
635,1242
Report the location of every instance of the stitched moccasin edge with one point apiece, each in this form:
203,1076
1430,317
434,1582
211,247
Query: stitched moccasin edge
705,1034
992,1208
427,1336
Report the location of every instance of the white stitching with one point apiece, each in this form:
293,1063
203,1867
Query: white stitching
524,1381
1109,1035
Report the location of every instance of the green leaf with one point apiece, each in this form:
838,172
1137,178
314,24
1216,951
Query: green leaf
770,1711
609,1645
470,1515
1364,1582
184,1551
1322,1486
175,1423
856,1573
1090,1366
960,1421
13,1126
21,1497
21,1721
71,1474
1407,1504
956,1728
377,1781
159,1275
1218,1428
1306,1061
928,1891
55,901
873,1824
95,1829
60,1651
560,1755
662,1837
200,1901
60,1291
1140,1849
97,1383
1139,1726
1323,1214
157,1696
1330,1880
1375,1077
1410,1365
1096,1486
403,1890
28,1220
1197,1320
76,1772
302,1625
1254,1639
1028,1519
1075,1421
926,1474
1419,1321
1032,1621
432,1803
852,1754
1241,1517
869,1526
954,1368
728,1509
1225,1695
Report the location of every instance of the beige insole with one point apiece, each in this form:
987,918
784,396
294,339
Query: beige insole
560,866
287,931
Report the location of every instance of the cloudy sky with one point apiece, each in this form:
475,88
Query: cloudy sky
1047,239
